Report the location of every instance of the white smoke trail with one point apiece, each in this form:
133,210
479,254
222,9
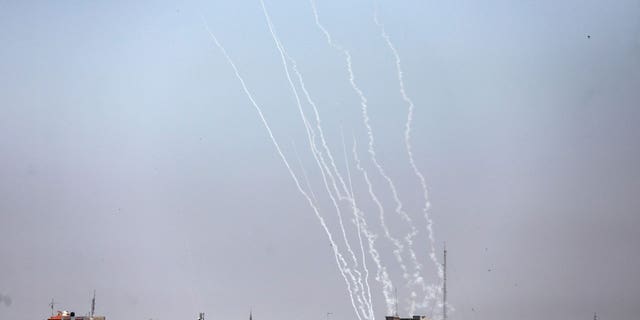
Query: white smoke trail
357,278
338,256
407,140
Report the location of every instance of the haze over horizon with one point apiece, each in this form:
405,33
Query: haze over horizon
133,164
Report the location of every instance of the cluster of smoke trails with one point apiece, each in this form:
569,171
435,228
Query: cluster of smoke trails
407,140
363,300
365,288
359,226
417,279
349,192
381,276
350,198
398,246
366,297
322,139
336,252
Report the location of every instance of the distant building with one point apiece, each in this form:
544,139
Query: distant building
66,315
412,318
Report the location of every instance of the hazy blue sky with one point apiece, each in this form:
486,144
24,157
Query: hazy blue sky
132,163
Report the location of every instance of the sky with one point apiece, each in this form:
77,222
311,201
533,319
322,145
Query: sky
132,162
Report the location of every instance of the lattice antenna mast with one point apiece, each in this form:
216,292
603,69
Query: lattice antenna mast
396,293
444,285
93,304
52,305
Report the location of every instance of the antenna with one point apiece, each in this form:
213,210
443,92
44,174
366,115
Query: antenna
444,284
52,304
93,304
396,293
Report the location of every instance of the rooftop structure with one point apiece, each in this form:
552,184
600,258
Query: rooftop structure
66,315
412,318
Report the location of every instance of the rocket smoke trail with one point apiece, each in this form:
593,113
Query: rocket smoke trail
371,149
338,256
407,140
357,278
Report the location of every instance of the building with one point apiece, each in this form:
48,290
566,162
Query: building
66,315
412,318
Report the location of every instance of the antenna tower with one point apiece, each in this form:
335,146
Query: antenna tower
52,304
444,285
93,304
396,293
